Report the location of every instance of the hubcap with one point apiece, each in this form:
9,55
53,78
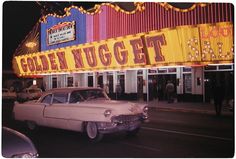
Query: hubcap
91,130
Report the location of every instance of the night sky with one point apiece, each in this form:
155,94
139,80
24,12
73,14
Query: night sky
19,17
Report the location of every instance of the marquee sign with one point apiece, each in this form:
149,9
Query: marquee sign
62,32
187,45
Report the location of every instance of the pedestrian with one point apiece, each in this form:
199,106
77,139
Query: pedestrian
170,91
218,94
118,91
106,89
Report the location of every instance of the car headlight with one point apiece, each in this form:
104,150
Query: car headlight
25,155
107,113
145,109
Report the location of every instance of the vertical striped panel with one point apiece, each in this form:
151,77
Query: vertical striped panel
89,28
227,11
102,24
215,13
219,14
155,17
211,12
230,12
96,27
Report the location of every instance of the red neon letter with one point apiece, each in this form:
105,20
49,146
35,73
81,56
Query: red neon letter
23,65
38,67
30,63
121,56
44,62
139,56
62,60
104,54
52,61
90,56
156,42
78,58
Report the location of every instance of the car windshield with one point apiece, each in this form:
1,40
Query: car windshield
82,95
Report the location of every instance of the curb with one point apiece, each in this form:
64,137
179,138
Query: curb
187,110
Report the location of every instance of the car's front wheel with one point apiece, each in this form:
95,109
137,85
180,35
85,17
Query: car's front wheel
92,132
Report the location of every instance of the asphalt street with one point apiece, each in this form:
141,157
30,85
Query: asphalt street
169,134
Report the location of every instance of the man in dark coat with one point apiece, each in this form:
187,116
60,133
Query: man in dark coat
218,93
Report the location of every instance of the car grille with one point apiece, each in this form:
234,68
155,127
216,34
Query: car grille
126,118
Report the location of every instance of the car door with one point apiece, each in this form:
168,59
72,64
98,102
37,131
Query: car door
56,113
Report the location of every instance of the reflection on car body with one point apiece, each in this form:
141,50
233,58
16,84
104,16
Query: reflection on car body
17,145
82,109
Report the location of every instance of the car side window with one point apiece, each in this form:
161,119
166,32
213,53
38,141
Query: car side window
47,99
75,97
60,98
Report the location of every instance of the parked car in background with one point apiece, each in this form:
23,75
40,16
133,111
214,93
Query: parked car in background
87,110
7,94
29,94
17,145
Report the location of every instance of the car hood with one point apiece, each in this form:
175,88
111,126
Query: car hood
117,107
16,143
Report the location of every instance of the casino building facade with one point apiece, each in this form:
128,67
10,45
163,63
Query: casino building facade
135,52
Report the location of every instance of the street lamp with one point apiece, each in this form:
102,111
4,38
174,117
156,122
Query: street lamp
30,44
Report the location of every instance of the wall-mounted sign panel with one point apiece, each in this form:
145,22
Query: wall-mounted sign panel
60,33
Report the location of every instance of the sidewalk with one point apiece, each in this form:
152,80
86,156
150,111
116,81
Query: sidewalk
197,107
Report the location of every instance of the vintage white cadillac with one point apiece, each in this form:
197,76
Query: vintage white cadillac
82,109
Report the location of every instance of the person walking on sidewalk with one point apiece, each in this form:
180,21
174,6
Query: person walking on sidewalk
218,93
170,91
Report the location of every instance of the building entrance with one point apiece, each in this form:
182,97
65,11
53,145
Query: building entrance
157,85
226,78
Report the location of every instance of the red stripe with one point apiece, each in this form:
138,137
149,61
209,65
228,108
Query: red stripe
199,15
209,14
212,14
219,18
222,11
226,11
161,17
180,18
155,17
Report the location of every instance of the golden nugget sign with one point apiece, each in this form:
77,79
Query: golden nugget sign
187,45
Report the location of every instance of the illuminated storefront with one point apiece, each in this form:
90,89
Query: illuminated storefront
134,53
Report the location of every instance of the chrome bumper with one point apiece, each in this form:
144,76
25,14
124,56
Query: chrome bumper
121,123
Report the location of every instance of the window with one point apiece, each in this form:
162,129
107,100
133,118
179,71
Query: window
162,70
69,81
47,99
76,97
54,82
60,98
187,69
210,68
92,94
225,67
171,70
